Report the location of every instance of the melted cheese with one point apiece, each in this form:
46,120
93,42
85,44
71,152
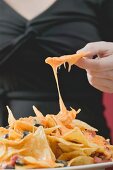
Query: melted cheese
56,62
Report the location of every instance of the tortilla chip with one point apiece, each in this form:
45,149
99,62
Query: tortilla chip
50,121
81,160
3,150
71,59
82,125
49,131
11,119
3,131
21,126
41,119
53,143
77,136
70,155
38,163
13,135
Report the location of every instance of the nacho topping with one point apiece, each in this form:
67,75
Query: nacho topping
52,140
56,145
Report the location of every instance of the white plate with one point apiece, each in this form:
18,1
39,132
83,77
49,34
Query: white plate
99,166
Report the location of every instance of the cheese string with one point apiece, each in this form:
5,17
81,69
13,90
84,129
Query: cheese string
61,103
56,62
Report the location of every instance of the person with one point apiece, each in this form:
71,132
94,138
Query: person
99,70
31,31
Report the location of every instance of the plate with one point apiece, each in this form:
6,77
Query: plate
99,166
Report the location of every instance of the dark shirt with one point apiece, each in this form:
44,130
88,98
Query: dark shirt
62,29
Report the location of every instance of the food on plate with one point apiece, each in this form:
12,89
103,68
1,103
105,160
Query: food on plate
53,140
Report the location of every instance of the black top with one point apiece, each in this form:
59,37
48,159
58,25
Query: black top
62,29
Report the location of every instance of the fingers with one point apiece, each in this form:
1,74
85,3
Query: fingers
100,69
104,61
104,74
98,64
101,83
101,48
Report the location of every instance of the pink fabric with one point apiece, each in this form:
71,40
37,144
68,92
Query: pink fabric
108,103
110,168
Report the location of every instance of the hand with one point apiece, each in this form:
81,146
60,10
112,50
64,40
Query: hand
99,70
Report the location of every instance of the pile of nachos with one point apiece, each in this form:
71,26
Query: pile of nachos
52,141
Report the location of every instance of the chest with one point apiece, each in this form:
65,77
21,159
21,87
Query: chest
29,9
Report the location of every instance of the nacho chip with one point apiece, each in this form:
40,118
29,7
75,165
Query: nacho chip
54,140
40,117
11,119
42,163
3,150
3,131
21,126
53,143
77,136
13,135
51,130
71,59
81,160
70,155
82,125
